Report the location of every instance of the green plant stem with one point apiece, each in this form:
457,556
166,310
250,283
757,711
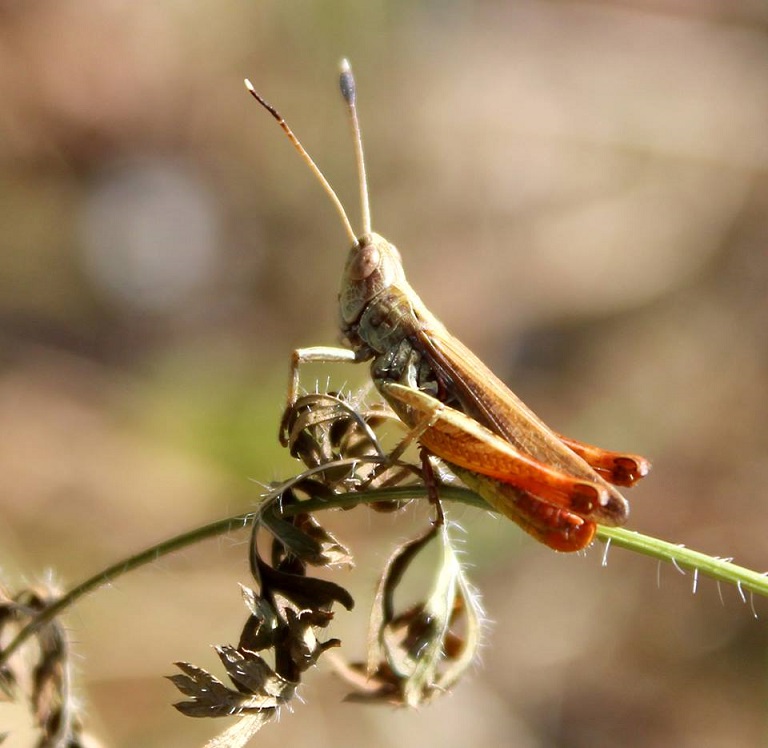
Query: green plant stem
108,575
719,569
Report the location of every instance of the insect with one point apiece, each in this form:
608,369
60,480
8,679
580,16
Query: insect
556,489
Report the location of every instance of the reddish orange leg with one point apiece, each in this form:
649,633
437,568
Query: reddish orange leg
615,467
463,442
553,526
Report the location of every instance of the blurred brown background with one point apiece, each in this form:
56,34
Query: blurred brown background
579,191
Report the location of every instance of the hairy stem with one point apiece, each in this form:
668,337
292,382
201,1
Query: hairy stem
719,569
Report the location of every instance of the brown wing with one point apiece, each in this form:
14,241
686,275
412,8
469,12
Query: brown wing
488,400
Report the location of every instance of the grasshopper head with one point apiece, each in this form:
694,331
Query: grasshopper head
373,266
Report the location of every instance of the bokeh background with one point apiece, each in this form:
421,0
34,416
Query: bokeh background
579,191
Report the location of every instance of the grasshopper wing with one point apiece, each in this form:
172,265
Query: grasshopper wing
484,397
515,421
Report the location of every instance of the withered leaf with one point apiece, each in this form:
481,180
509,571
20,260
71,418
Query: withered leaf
418,653
381,687
304,648
451,594
305,538
37,680
304,592
382,611
209,697
262,628
251,674
332,552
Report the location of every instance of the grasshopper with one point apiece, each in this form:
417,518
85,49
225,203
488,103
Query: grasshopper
556,489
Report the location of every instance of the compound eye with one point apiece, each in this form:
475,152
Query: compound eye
366,261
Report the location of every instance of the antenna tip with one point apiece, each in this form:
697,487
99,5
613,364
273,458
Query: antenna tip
347,83
249,85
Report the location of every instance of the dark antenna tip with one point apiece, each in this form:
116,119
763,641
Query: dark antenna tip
347,83
307,159
349,92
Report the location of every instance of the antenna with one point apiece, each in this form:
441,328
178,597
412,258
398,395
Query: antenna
307,160
349,92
